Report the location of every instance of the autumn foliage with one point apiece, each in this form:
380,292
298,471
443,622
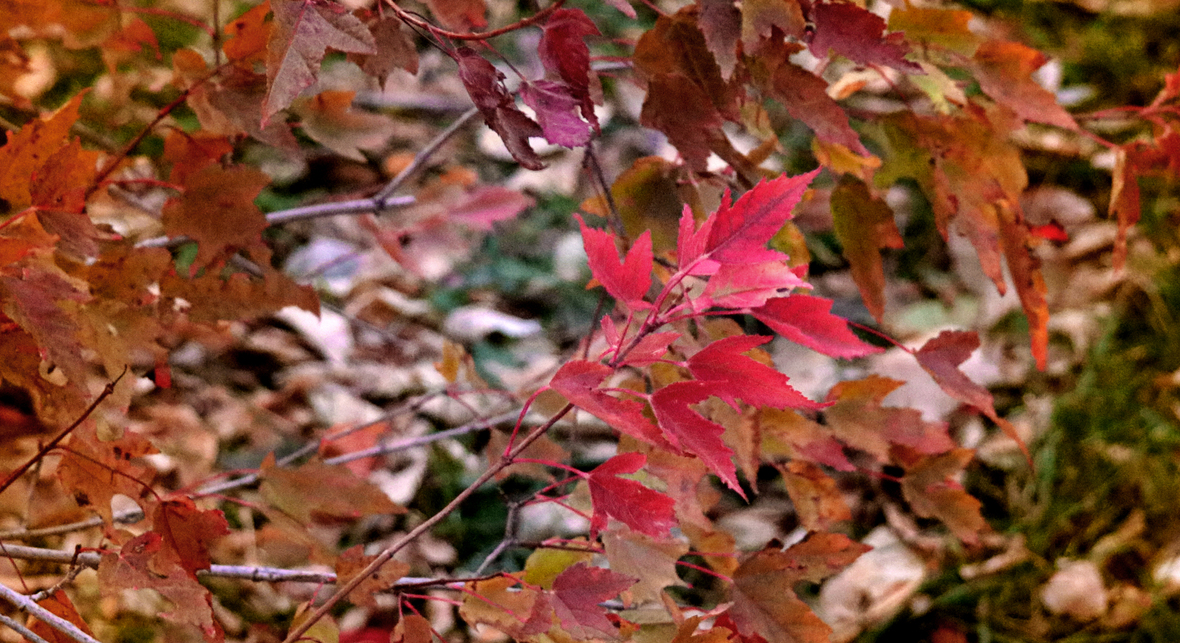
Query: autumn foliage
119,245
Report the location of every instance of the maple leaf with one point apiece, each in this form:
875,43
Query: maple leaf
790,434
740,233
937,28
858,35
45,301
328,118
187,532
248,35
929,486
579,381
650,349
748,285
318,492
676,47
691,432
803,94
557,112
761,17
683,112
95,471
209,297
941,358
190,152
563,51
217,211
520,614
764,601
544,565
733,375
58,603
412,628
485,85
627,280
721,24
395,50
864,225
818,501
352,560
807,320
857,418
463,15
143,564
650,560
644,510
26,150
576,595
303,31
1004,70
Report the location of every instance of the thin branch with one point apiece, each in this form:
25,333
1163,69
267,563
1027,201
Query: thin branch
411,19
52,444
425,153
21,629
92,559
26,605
384,557
509,540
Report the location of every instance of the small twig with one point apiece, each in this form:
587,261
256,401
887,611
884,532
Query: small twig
616,218
21,629
425,153
411,19
52,444
25,604
428,524
509,540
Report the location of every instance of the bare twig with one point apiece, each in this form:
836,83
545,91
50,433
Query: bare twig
425,153
509,539
26,605
411,19
21,629
241,572
428,524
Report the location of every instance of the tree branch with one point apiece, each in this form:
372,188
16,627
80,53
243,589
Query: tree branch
26,605
21,629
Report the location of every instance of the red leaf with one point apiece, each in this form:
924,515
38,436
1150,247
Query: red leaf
188,532
941,358
485,85
557,111
721,23
1051,231
1004,70
488,204
217,211
58,603
642,509
858,35
576,594
303,31
739,234
143,563
627,280
690,244
693,433
682,111
578,382
808,320
563,51
1124,200
748,285
733,375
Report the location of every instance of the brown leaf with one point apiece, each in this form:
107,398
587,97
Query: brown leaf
459,15
303,31
328,118
676,47
188,532
764,601
217,211
817,499
519,614
318,492
248,35
760,17
858,35
929,486
650,560
353,560
27,150
96,471
683,112
864,225
395,50
858,419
